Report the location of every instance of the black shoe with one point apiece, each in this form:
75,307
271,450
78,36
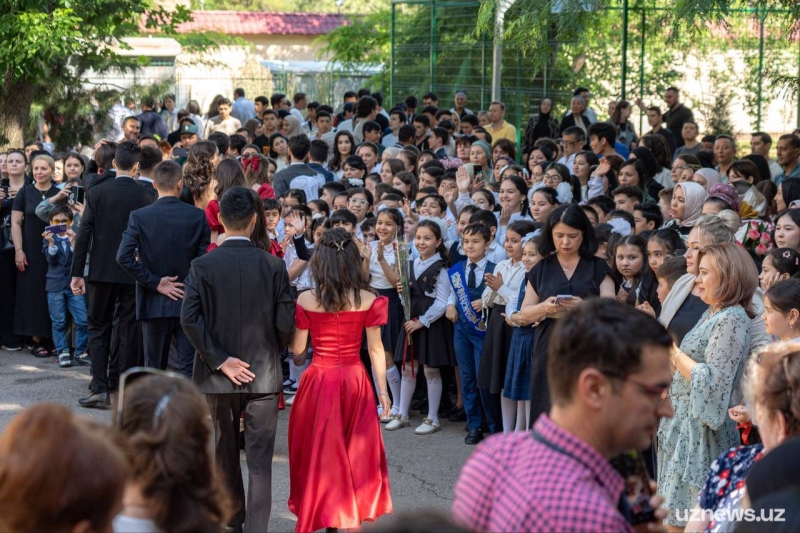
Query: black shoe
100,400
446,412
418,404
459,415
473,437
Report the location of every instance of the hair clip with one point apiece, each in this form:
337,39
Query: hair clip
339,245
787,254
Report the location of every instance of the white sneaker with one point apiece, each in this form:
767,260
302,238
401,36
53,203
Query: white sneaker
288,400
64,359
428,427
397,423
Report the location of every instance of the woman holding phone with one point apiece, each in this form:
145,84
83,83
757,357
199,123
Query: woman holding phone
557,284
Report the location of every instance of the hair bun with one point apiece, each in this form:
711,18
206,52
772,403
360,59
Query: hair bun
336,238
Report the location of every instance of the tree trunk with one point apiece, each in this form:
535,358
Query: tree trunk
16,98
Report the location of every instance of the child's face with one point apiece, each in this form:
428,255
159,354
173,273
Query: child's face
385,228
273,217
314,209
288,203
430,208
359,205
409,226
61,219
656,253
475,247
340,202
625,203
426,180
768,270
663,290
369,234
318,234
641,222
426,242
447,185
347,226
463,222
530,255
513,245
629,261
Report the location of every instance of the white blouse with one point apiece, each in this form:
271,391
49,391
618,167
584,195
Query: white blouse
441,290
378,279
513,276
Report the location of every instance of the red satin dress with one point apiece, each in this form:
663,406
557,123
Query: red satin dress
337,463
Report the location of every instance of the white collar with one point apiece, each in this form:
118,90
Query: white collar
237,238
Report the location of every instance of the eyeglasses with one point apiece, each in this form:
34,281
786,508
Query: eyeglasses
358,201
661,392
571,143
552,177
137,373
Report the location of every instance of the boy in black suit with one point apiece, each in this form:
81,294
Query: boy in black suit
168,235
57,249
238,313
111,293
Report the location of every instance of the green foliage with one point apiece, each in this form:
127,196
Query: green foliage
49,48
365,40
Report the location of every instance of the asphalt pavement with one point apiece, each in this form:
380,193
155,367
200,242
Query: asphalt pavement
422,469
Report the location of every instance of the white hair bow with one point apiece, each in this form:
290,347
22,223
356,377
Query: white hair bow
564,191
620,226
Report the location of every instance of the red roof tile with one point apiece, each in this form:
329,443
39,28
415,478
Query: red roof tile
257,23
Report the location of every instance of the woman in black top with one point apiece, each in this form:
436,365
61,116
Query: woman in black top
572,270
32,317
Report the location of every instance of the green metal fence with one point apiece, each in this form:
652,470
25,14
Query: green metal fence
725,73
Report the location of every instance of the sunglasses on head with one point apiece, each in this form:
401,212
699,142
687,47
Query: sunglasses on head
137,373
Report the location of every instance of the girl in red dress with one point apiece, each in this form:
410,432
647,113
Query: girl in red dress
337,462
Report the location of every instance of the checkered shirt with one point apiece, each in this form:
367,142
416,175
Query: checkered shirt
514,483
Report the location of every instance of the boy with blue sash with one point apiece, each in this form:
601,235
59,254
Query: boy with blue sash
464,309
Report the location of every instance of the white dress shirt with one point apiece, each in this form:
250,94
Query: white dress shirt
496,253
480,270
513,276
441,290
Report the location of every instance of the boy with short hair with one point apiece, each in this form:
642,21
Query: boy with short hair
626,197
495,252
272,212
668,273
602,205
342,218
58,249
340,201
647,217
464,308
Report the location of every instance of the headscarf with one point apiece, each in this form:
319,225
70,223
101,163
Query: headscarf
695,196
790,190
727,193
293,128
753,203
711,176
645,155
483,145
542,127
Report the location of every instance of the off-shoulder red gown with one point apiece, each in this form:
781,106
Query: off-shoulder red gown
337,463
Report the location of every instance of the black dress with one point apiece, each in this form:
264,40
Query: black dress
31,316
8,286
548,279
432,346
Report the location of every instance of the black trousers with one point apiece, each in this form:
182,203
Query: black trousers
157,337
109,305
260,424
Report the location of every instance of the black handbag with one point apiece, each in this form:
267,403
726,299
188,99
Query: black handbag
6,241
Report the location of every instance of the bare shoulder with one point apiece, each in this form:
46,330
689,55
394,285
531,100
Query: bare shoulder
308,301
367,299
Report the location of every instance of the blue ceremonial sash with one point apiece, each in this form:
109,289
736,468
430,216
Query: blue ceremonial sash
457,277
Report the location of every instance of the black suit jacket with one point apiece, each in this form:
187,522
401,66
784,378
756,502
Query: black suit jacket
238,304
169,235
91,180
105,218
147,185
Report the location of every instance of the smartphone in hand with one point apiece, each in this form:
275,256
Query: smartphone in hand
561,298
57,229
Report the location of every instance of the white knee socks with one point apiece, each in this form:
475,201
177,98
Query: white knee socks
509,408
393,380
434,378
407,388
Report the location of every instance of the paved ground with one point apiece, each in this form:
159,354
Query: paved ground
422,470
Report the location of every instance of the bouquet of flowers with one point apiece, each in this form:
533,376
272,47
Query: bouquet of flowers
757,238
402,255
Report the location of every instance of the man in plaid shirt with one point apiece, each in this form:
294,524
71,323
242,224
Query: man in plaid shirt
609,374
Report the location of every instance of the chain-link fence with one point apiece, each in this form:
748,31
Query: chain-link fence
733,77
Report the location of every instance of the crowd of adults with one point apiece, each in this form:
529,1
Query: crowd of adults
518,246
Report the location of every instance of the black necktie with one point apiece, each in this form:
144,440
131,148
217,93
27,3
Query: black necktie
471,279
